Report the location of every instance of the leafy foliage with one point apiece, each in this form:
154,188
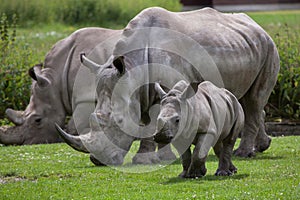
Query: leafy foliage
286,96
100,13
15,84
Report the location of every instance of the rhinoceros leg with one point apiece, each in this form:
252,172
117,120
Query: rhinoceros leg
253,104
223,150
165,152
146,153
186,162
248,135
262,141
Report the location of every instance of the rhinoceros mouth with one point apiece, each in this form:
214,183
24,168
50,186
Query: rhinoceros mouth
164,137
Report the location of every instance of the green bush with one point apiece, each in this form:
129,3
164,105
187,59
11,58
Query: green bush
15,83
285,99
97,12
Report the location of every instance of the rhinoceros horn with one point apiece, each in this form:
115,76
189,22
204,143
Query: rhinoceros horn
74,141
159,90
17,117
96,68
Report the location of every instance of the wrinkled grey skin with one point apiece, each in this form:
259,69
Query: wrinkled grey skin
213,113
244,54
53,94
106,142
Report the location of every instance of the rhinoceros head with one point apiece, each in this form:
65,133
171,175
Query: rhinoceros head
36,123
170,115
106,141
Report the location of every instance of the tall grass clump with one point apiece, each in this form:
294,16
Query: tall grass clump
100,13
15,83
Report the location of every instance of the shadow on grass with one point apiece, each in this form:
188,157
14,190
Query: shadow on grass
259,156
176,180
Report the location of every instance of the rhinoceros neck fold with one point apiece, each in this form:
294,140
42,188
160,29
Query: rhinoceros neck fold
65,86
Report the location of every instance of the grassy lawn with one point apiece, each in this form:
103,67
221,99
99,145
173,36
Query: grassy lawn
58,172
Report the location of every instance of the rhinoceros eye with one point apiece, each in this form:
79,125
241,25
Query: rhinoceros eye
38,121
177,119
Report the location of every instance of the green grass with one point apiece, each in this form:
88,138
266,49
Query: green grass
58,172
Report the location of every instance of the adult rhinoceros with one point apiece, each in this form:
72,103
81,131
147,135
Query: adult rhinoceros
230,50
54,94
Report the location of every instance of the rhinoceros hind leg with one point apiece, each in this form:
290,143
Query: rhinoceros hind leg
243,153
254,102
262,140
261,146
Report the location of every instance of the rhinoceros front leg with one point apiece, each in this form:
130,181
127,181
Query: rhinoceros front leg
146,153
197,167
186,162
165,152
223,150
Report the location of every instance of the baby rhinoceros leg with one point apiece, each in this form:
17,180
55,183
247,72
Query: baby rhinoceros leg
197,167
186,162
223,150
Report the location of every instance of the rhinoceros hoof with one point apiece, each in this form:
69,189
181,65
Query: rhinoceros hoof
183,174
223,173
243,153
196,173
146,158
233,169
166,155
263,145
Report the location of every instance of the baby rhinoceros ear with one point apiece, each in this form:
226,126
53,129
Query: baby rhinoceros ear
189,91
159,90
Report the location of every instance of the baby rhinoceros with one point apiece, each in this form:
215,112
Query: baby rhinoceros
211,117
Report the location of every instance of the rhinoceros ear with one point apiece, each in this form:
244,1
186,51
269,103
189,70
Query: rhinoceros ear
35,73
190,91
159,90
119,64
